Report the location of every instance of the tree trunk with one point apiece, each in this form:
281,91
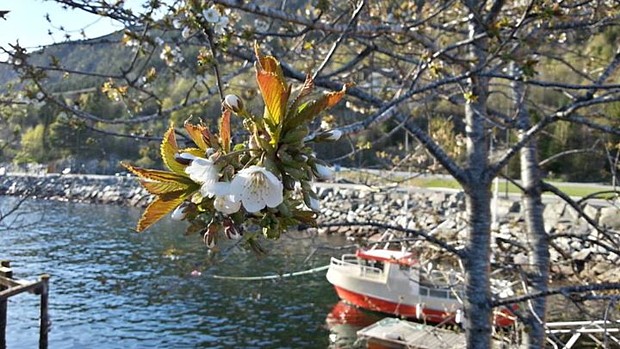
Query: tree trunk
477,294
538,244
478,192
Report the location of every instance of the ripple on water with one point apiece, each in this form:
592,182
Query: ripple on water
113,288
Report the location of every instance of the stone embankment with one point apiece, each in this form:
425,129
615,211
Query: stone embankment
440,213
119,190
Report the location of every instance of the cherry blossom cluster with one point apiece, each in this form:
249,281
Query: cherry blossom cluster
260,185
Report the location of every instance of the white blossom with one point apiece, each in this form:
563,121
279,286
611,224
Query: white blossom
220,26
211,15
186,33
226,205
132,42
204,171
171,56
165,53
255,187
224,21
177,23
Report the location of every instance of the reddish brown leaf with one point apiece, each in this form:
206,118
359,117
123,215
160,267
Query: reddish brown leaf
311,109
199,134
275,94
272,86
225,130
158,209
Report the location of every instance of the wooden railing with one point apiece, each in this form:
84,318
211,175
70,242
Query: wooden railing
11,287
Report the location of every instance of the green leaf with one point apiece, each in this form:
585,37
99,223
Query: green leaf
168,150
157,175
159,188
305,90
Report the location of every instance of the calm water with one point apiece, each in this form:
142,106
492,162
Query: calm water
113,288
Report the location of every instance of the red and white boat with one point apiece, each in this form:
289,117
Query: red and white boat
393,282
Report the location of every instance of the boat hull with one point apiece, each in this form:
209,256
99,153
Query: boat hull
502,319
389,307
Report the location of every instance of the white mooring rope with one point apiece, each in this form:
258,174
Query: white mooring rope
271,277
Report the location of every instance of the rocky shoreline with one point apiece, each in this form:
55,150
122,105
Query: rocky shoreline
436,212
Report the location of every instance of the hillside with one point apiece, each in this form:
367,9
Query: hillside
103,55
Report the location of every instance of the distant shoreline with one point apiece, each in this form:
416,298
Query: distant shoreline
437,212
100,189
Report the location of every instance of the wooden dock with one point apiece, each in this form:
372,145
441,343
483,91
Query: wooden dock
10,287
394,333
603,333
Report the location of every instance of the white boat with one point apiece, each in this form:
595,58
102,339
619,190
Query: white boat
393,282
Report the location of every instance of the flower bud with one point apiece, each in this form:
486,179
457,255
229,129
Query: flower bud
323,172
327,136
184,158
179,213
288,182
231,231
209,236
312,202
234,103
333,135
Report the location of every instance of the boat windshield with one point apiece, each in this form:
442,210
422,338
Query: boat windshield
389,256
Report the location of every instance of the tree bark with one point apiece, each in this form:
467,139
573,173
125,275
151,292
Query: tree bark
538,259
478,194
478,296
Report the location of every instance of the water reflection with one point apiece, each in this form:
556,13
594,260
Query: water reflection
344,320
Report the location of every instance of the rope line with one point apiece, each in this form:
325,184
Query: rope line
271,277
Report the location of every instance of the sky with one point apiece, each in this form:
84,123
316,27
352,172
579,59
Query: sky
26,23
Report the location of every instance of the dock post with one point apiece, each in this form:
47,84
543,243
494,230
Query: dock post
5,270
45,321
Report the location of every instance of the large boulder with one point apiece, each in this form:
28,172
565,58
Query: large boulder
610,217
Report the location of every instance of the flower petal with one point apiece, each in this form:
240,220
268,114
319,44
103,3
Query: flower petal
226,205
202,170
219,188
273,197
256,187
253,204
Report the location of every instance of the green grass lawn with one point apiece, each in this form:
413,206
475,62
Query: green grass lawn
425,182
